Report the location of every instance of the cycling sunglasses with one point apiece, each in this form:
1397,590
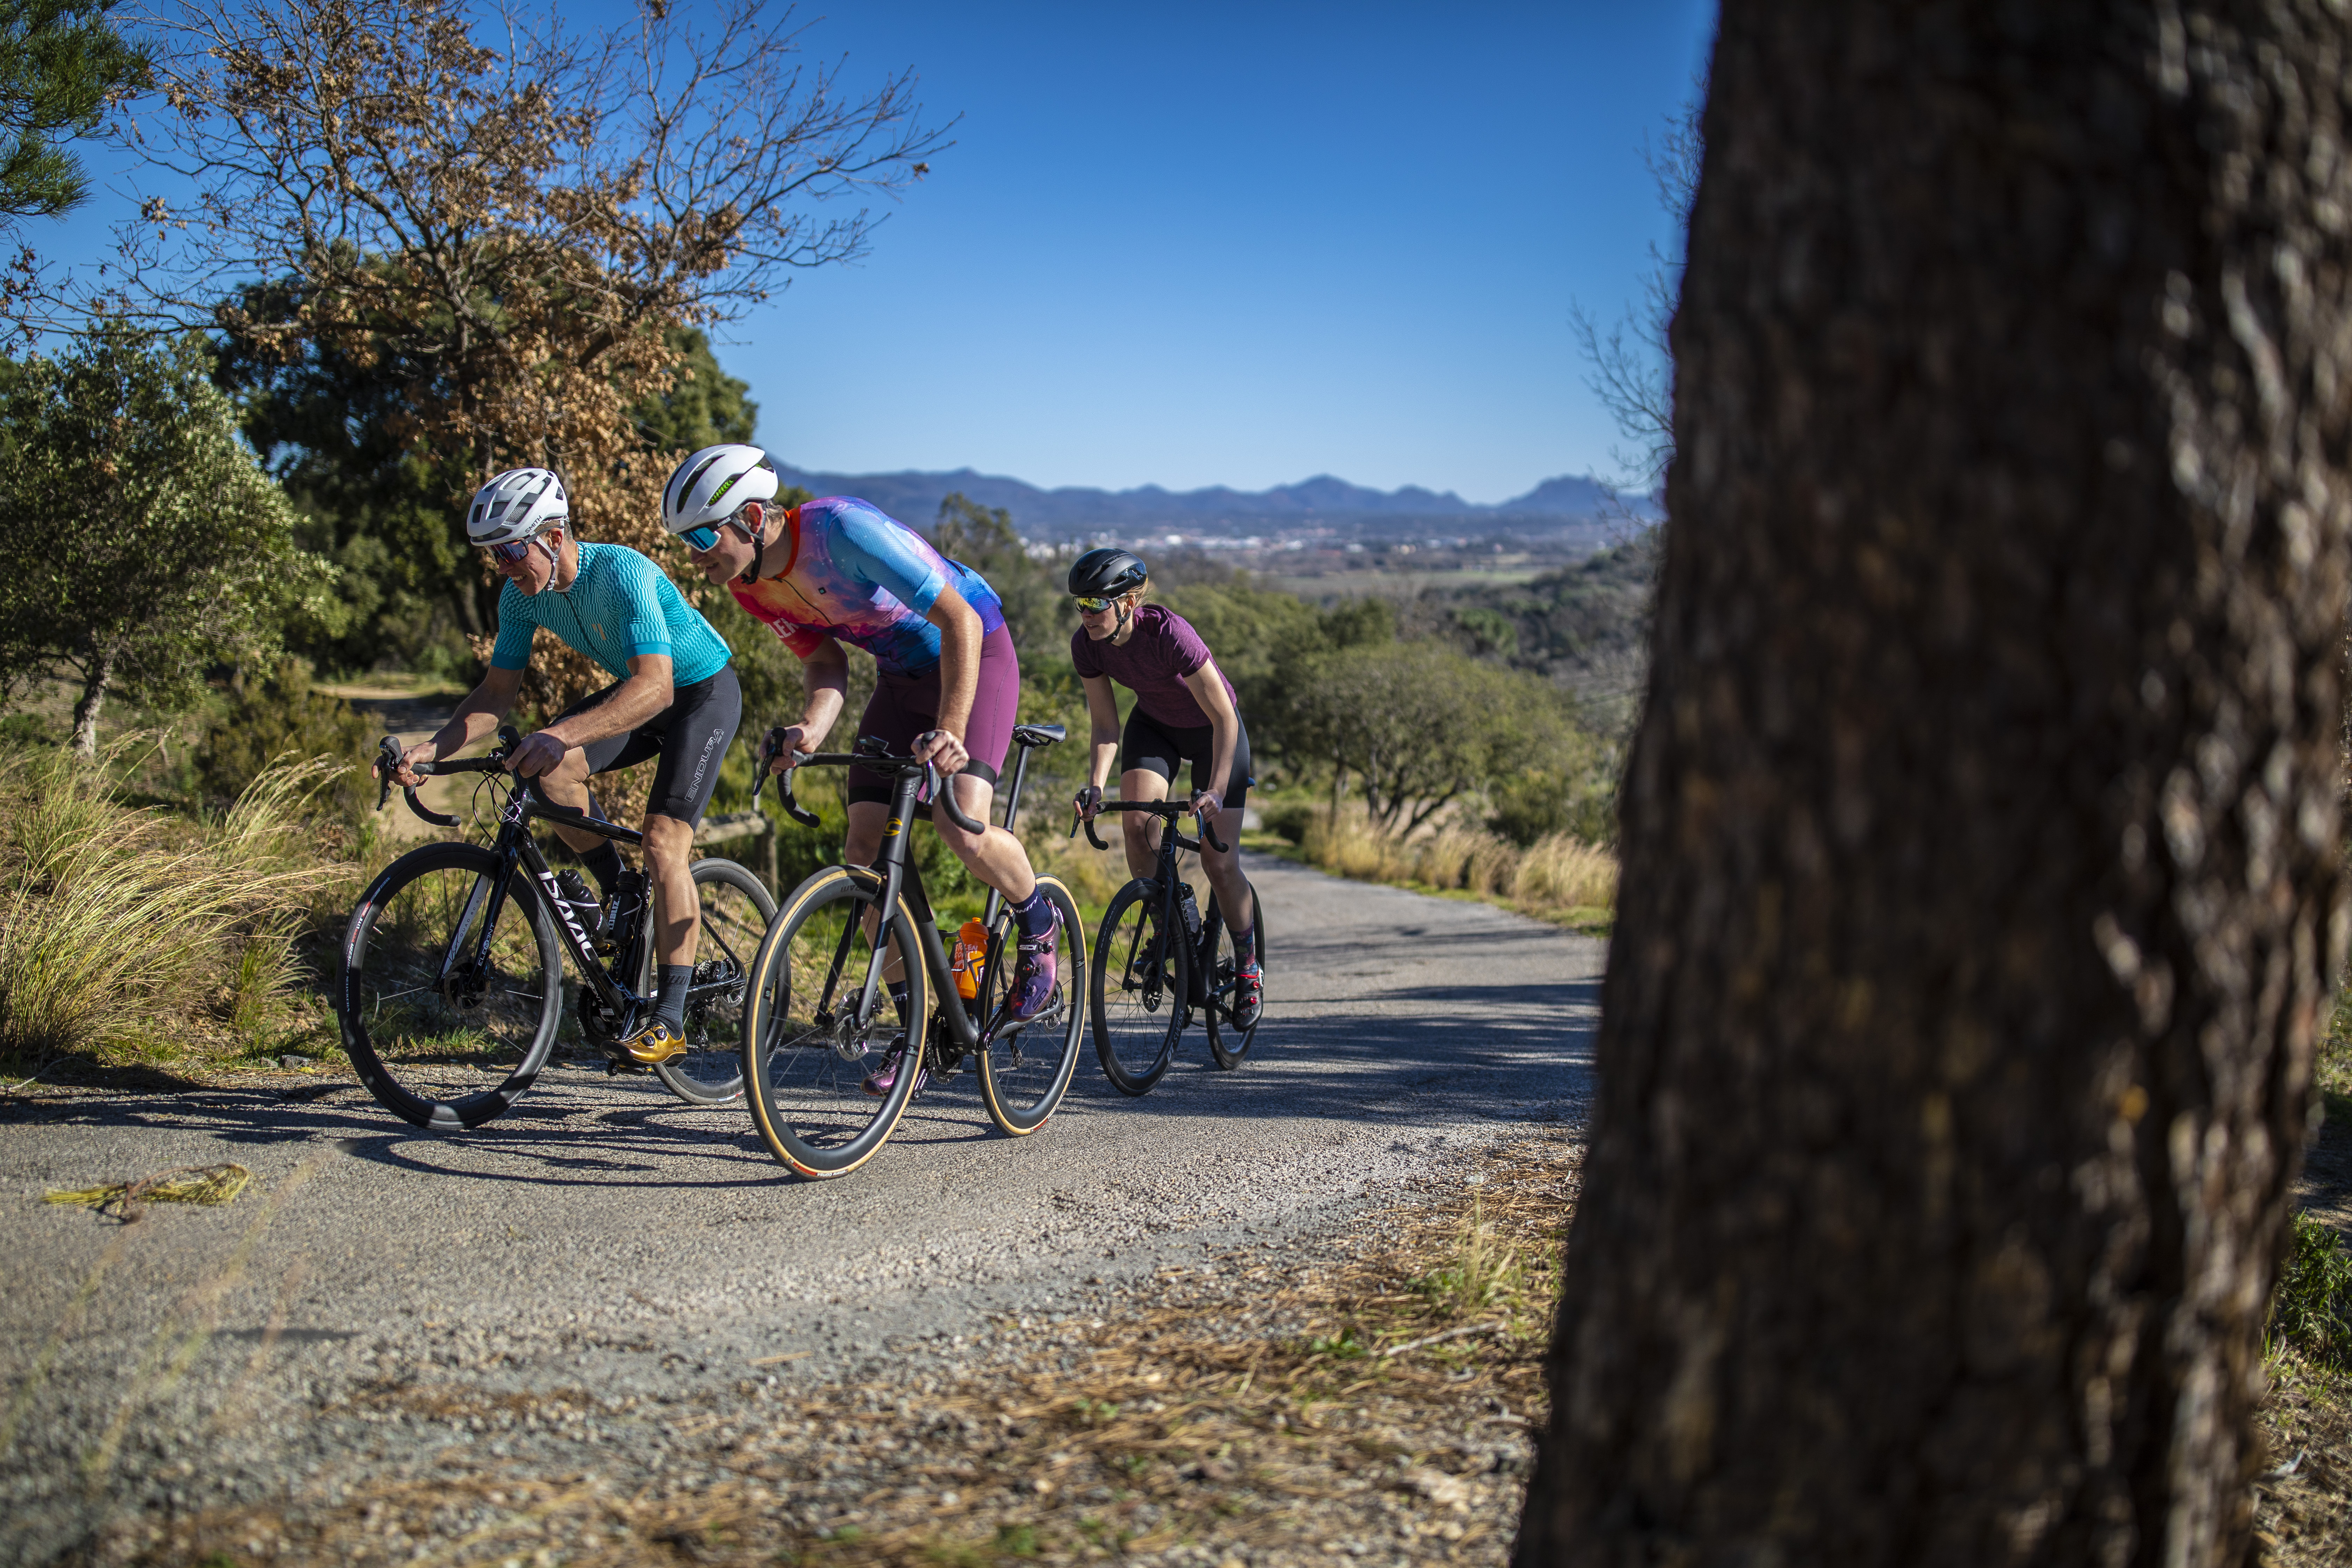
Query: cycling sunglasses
1093,605
701,538
511,552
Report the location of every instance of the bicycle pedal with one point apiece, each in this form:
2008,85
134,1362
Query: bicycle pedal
620,1066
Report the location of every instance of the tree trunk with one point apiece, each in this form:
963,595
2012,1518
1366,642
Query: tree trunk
1982,889
93,698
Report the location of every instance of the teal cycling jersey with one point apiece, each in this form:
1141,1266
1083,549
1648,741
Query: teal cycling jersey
621,606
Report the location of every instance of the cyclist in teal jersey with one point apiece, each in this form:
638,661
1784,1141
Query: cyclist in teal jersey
674,696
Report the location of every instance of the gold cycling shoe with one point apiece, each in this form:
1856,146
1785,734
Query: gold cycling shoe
655,1043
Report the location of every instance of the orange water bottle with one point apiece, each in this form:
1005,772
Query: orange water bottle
970,948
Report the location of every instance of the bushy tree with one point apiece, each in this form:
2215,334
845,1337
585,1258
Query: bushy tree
1418,724
145,542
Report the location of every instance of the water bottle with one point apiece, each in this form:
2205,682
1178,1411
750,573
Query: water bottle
621,915
573,889
971,950
1190,911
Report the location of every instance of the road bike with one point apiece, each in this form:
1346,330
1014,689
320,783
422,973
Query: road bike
1159,959
821,1019
449,982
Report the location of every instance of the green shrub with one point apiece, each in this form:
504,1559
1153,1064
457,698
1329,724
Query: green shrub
283,717
1289,818
26,730
2312,1310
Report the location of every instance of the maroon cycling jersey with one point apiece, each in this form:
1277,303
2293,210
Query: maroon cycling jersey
1153,663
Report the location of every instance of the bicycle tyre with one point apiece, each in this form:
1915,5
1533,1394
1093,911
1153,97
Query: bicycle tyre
1023,1096
1137,989
801,1073
418,1060
1228,1043
711,1070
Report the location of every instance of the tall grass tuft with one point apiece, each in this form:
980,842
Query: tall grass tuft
1558,872
117,923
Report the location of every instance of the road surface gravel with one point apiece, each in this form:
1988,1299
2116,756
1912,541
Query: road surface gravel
603,1236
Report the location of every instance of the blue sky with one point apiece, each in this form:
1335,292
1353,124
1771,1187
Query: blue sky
1232,244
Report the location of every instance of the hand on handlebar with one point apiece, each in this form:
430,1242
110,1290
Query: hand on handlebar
1205,805
785,747
539,753
941,749
1089,803
406,775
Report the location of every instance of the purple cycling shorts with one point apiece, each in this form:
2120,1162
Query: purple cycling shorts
904,706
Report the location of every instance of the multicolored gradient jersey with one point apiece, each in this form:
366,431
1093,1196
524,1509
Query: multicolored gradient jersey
621,606
855,573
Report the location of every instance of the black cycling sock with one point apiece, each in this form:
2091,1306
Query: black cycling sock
898,989
604,863
671,1008
1246,944
1035,914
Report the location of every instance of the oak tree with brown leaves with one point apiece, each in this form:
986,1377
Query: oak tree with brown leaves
520,217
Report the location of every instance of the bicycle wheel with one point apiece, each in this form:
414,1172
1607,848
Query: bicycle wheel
1229,1043
444,1028
804,1056
1026,1070
1137,989
737,909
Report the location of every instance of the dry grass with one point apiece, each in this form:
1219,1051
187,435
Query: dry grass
1380,1405
122,928
2303,1518
1558,876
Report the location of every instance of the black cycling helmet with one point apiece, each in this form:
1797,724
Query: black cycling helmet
1106,573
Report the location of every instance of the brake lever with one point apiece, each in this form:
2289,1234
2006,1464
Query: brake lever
388,753
769,747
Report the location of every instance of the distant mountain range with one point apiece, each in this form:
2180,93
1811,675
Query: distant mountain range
915,497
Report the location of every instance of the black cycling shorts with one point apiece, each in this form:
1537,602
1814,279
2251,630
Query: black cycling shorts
690,736
1157,748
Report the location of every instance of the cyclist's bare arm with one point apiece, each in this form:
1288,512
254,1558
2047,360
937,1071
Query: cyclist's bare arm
646,692
825,673
1208,689
960,634
1102,729
476,719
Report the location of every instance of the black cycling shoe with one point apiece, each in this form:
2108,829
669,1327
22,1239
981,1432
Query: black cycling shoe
1249,993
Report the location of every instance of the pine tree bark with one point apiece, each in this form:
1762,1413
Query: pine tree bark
1981,885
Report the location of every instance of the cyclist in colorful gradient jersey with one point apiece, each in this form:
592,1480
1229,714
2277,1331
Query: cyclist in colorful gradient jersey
948,685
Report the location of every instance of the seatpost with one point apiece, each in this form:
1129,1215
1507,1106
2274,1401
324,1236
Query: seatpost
1012,809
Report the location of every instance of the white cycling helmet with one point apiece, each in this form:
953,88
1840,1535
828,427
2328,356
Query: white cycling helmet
515,506
708,488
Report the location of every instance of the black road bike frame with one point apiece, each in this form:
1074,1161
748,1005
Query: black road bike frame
1165,878
515,846
902,879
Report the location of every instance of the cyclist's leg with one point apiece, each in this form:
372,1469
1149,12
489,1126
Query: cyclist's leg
1148,757
567,783
1223,868
691,737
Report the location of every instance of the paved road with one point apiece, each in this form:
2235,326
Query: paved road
603,1235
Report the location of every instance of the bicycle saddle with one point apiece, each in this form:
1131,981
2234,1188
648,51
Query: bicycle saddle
1039,735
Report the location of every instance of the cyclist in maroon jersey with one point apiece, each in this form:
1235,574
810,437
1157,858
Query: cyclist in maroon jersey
1185,713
